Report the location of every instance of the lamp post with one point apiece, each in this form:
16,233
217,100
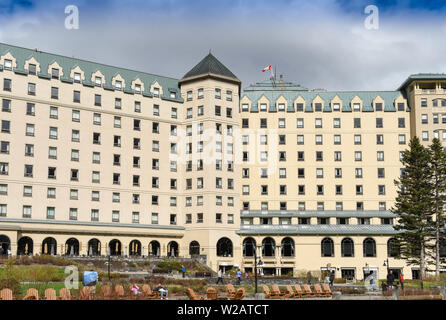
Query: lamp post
386,264
255,266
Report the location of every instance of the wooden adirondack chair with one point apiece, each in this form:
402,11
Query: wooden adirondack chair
327,289
149,293
231,291
106,291
192,296
268,293
318,289
240,294
119,291
6,294
290,291
50,294
276,290
85,293
64,294
31,294
211,293
299,292
308,291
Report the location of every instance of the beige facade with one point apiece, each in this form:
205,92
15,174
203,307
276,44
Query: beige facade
96,160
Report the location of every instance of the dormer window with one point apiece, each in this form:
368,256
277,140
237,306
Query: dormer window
156,92
173,95
32,69
8,64
200,93
356,107
77,77
137,88
336,107
98,81
118,84
55,73
245,107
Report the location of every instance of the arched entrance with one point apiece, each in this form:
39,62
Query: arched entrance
5,244
268,247
224,247
49,246
154,248
194,248
72,247
94,247
135,248
172,249
25,246
287,247
115,247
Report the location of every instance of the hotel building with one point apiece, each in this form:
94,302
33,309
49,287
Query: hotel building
99,160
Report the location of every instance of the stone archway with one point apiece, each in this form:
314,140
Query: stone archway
49,246
25,246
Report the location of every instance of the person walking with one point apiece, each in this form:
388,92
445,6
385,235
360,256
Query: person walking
239,276
402,281
219,276
332,277
183,270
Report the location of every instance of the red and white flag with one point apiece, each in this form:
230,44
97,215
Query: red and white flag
267,68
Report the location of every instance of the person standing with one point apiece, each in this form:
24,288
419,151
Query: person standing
219,276
332,277
183,270
239,276
9,253
402,281
390,279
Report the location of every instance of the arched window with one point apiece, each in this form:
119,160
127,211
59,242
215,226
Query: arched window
115,247
369,246
5,244
268,247
287,247
172,249
347,248
154,248
72,247
94,247
327,247
25,246
393,248
194,248
224,247
49,246
135,248
249,245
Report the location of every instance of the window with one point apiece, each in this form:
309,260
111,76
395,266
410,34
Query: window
318,123
402,138
4,168
76,116
358,155
54,93
154,218
217,93
30,109
135,217
137,106
357,139
173,219
50,212
98,81
77,77
200,94
94,195
115,216
53,133
77,96
118,104
52,152
97,100
424,119
358,173
28,170
300,123
401,123
3,189
95,177
54,112
73,214
378,106
55,73
423,102
75,136
156,110
32,69
356,107
74,155
357,122
26,213
379,139
379,122
4,147
281,123
73,194
74,174
228,95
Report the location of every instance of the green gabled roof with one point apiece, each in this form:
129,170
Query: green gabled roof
210,65
273,92
67,64
422,76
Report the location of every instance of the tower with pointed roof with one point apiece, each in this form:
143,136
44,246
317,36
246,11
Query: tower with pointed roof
211,100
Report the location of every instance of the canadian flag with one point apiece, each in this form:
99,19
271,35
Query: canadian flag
267,68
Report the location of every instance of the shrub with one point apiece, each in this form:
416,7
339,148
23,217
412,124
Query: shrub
164,265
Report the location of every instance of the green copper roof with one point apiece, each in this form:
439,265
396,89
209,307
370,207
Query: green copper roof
422,76
67,64
273,91
316,229
210,65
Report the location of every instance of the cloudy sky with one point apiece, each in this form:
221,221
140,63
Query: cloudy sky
317,43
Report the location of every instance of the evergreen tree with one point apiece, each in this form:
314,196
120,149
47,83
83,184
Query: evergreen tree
438,187
413,205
